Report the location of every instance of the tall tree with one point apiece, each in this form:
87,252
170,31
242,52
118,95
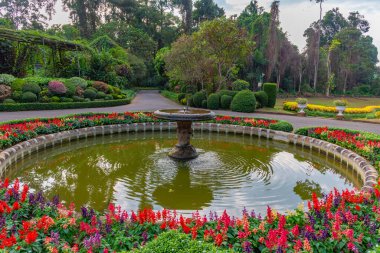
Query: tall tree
316,60
186,10
25,13
273,40
206,10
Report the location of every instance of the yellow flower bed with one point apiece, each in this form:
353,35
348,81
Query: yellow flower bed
378,115
293,106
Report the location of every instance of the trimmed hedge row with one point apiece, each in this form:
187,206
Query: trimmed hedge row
59,106
271,90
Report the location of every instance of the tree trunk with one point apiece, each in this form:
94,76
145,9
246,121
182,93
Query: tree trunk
82,18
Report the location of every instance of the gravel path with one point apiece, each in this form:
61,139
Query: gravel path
152,100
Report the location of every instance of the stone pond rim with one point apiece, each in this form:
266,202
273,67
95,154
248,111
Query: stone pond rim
183,150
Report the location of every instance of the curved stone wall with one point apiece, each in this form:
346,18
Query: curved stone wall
366,171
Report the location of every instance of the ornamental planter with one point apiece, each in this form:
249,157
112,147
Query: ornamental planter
340,110
302,113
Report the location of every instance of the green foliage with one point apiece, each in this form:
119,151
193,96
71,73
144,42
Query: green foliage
77,81
225,102
174,241
29,97
55,99
90,93
17,95
101,86
261,98
39,80
204,104
170,95
244,101
198,99
31,87
271,90
7,79
66,100
239,85
100,95
181,96
103,43
282,126
18,84
9,101
213,102
227,92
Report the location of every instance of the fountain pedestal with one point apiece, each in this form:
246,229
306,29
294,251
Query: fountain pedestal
183,150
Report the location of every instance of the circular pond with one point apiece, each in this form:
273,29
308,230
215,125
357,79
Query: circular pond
231,172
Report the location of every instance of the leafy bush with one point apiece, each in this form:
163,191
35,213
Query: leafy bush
70,89
67,100
204,104
29,97
17,95
7,79
45,99
198,98
244,101
77,81
213,102
301,101
57,88
281,126
40,81
181,96
190,101
90,93
108,97
100,86
55,99
239,85
225,102
18,84
340,103
100,95
227,92
78,99
174,241
271,90
5,91
9,101
377,115
31,87
261,98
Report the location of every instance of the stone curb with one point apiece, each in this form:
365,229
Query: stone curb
366,171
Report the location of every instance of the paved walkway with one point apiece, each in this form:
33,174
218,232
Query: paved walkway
152,100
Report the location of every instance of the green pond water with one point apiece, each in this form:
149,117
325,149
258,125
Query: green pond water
134,171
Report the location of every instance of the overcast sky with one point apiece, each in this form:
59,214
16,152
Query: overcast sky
295,15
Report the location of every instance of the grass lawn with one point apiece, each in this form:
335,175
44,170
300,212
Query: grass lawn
352,102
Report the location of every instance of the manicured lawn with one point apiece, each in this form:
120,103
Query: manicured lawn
352,102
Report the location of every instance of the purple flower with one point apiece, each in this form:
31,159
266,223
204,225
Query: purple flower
94,241
84,212
144,236
55,237
253,214
247,247
245,212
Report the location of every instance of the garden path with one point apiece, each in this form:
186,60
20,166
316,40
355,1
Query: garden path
151,100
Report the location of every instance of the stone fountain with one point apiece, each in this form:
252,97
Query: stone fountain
184,118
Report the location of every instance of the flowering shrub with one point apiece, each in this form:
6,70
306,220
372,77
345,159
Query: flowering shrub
15,132
292,106
344,221
365,144
57,88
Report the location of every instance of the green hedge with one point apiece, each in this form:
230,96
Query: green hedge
213,102
261,98
231,93
59,106
244,101
178,242
282,126
271,90
239,85
225,102
198,98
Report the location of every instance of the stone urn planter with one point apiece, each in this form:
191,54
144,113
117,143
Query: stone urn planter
302,105
340,106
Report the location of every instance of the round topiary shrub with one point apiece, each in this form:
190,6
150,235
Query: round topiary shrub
7,79
204,104
17,95
198,99
244,101
31,87
213,102
18,84
55,99
261,98
5,91
239,85
67,100
45,99
57,88
90,93
9,101
190,101
77,81
282,126
225,102
100,86
108,97
100,95
231,93
271,90
29,97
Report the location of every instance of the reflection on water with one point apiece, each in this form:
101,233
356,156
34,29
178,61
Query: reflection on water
134,171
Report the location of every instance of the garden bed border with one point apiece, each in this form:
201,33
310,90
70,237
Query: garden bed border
362,167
